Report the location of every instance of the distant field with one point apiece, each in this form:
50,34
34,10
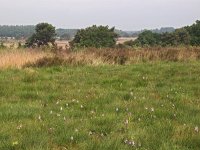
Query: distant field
125,39
62,44
142,106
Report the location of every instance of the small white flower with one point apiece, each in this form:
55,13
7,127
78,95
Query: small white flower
61,108
19,127
131,93
77,101
58,115
152,109
103,115
196,129
117,109
133,143
76,130
90,133
67,104
72,138
146,108
81,106
126,141
126,122
57,102
51,112
139,119
39,117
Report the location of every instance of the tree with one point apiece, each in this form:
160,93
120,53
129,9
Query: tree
44,34
194,31
182,36
148,38
95,36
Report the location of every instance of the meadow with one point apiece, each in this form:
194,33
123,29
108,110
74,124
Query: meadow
151,102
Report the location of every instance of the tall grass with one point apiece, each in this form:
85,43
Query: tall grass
18,58
95,57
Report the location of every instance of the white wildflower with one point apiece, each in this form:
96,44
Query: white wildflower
196,129
39,117
90,133
126,141
117,109
19,127
72,138
126,122
152,109
133,143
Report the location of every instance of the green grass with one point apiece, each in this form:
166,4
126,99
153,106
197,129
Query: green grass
156,105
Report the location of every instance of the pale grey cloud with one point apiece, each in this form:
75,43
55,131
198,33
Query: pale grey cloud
124,14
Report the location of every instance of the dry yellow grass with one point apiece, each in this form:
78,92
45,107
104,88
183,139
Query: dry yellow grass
95,57
18,58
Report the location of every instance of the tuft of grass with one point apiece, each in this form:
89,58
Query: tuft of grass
141,106
19,57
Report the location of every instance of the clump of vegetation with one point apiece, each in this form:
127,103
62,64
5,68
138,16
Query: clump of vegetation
95,36
194,31
45,34
46,62
2,46
184,36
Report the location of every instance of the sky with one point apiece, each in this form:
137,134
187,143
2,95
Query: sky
123,14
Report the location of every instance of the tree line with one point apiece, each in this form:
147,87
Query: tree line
23,32
189,35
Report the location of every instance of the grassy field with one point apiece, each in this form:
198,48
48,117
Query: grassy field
146,106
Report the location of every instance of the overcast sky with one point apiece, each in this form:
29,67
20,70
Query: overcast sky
123,14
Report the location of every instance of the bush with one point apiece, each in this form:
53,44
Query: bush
47,62
2,46
148,38
45,34
95,36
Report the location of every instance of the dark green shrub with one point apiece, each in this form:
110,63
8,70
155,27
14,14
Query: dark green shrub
95,36
45,34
